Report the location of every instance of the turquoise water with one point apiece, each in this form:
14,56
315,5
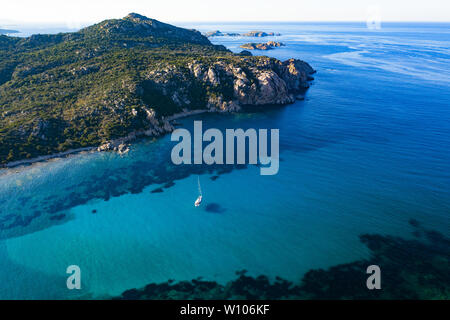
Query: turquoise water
365,152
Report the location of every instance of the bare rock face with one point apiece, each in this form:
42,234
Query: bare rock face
276,82
268,88
261,82
212,77
296,74
206,74
272,90
224,85
218,104
266,82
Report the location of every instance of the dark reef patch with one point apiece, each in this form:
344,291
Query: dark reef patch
214,178
410,269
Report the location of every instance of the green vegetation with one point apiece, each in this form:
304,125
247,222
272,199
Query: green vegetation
72,90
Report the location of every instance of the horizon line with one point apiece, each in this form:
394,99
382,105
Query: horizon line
8,23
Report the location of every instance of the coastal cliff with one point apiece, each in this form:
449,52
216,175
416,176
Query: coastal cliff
122,78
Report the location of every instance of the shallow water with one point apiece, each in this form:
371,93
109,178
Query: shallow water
365,152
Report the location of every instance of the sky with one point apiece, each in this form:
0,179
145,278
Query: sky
80,12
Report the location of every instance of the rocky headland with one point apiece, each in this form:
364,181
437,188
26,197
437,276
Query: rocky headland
124,78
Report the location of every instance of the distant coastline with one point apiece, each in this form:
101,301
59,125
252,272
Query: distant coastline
8,31
254,34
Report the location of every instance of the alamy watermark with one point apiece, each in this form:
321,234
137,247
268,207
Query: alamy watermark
374,280
74,280
232,152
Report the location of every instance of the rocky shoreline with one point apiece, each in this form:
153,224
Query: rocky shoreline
120,146
49,157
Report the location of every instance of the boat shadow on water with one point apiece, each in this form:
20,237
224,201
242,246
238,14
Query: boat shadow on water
214,208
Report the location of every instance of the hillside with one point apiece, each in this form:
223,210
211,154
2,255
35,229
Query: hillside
122,76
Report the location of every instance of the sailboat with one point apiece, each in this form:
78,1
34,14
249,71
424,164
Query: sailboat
199,199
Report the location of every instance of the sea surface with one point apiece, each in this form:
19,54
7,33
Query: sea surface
365,152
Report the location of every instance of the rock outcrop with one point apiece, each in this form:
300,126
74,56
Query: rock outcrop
260,34
218,33
265,81
262,46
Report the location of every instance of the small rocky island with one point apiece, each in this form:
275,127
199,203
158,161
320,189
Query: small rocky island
258,34
218,33
262,46
120,79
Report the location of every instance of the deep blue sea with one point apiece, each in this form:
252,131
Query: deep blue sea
365,152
